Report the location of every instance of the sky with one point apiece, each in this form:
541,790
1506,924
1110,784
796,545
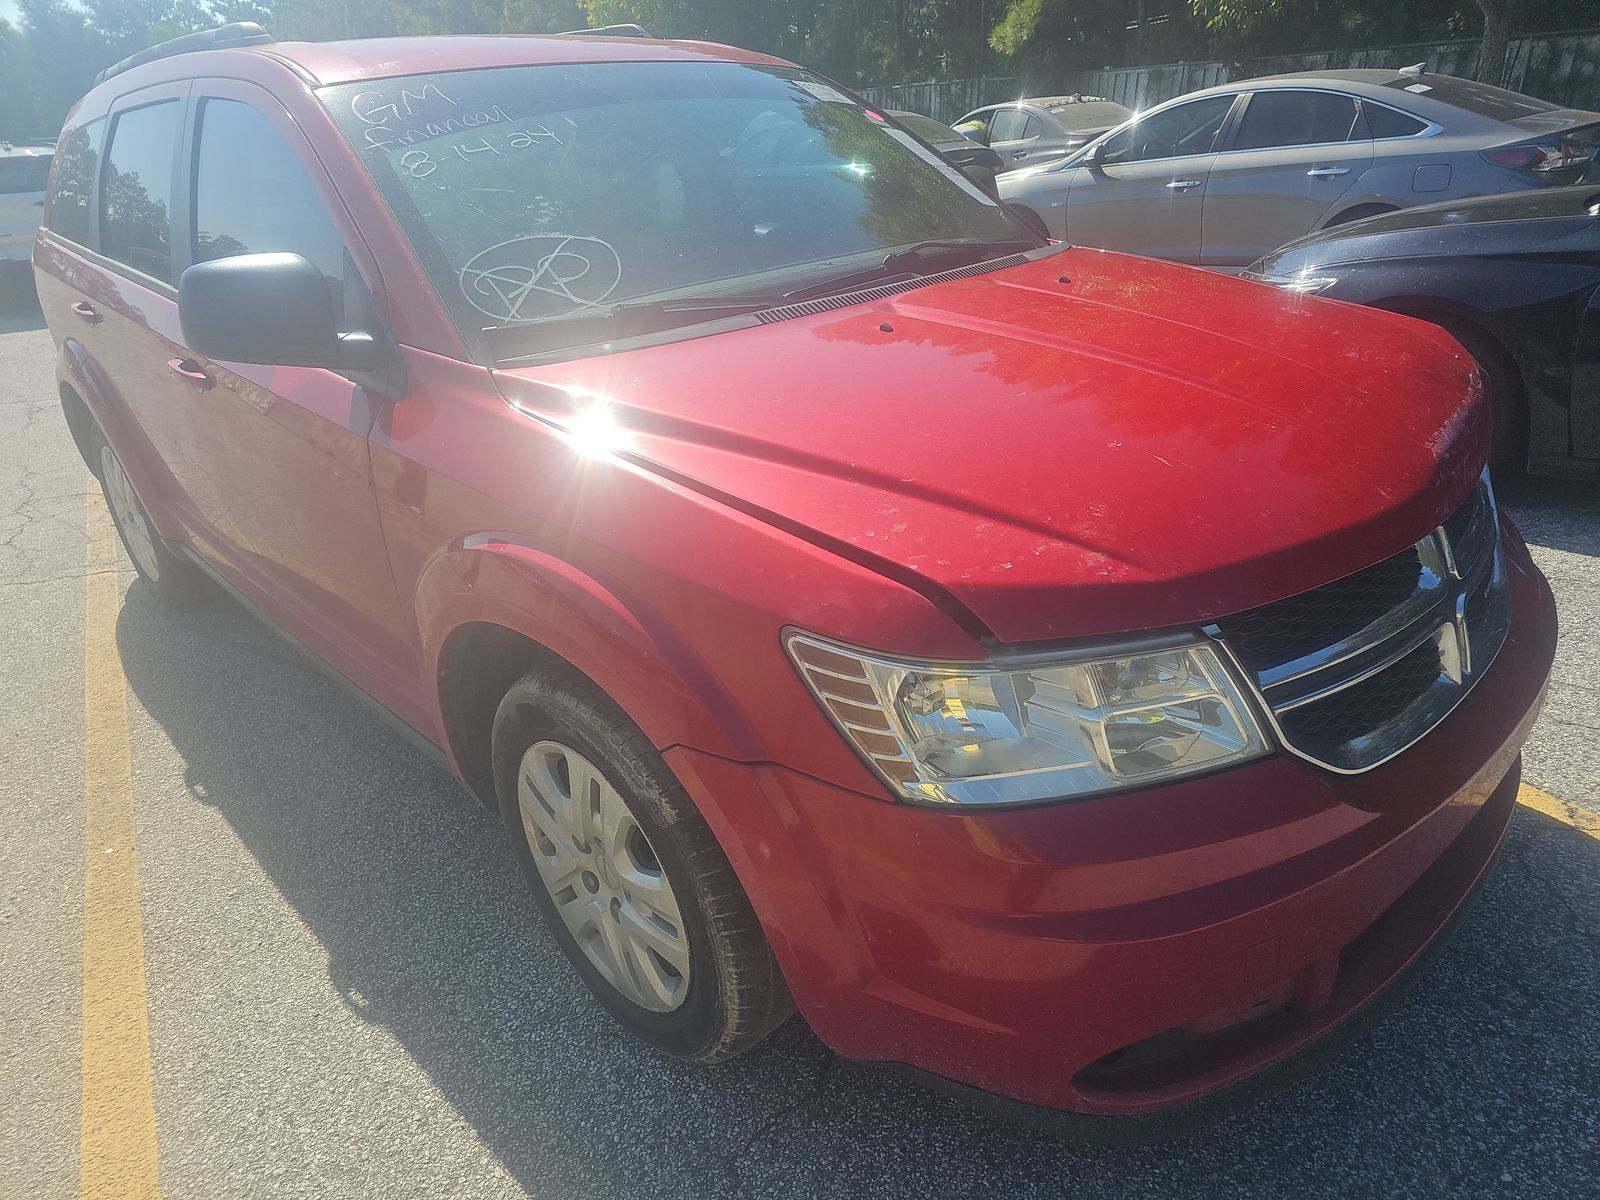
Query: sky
8,10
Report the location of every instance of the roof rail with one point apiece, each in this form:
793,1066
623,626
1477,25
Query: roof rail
633,31
223,37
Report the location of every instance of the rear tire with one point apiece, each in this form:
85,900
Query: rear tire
176,581
629,879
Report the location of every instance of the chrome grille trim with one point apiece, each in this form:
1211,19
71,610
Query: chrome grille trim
1460,602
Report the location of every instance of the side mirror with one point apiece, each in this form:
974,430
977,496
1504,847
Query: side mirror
272,309
1092,157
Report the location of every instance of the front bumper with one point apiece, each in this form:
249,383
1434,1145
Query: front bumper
1124,955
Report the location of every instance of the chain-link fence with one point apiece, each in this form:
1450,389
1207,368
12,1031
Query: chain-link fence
947,99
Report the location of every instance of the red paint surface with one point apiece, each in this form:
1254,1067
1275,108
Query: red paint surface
1015,460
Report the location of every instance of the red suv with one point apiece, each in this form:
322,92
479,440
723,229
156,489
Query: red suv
1082,678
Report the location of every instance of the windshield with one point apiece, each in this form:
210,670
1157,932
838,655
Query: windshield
537,194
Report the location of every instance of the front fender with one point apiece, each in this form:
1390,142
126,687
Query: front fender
655,676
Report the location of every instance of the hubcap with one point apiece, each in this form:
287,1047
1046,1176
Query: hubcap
604,876
125,506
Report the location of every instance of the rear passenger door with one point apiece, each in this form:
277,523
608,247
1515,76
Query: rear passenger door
1013,133
124,307
1292,155
274,460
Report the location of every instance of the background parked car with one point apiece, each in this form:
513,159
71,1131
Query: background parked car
24,169
1042,130
981,163
1222,176
1515,278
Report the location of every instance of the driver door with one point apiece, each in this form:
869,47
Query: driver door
275,459
1145,191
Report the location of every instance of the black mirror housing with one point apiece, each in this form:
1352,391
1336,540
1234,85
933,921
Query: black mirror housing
271,309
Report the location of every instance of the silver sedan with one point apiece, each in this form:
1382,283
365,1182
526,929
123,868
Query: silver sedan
1222,176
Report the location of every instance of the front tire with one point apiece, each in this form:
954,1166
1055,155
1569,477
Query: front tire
629,879
176,582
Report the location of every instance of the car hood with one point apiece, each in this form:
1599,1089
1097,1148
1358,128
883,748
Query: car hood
1084,445
1523,222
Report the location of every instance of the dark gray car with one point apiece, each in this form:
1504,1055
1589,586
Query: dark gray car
1515,278
1221,176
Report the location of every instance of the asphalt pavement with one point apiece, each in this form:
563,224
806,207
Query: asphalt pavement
350,994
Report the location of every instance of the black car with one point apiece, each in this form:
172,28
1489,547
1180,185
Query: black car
1516,279
980,163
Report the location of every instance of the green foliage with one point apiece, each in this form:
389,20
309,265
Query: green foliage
50,55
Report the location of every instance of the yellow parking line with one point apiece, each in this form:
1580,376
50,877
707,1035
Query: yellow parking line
1543,802
117,1134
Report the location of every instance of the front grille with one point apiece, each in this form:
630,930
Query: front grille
1290,629
1368,705
1355,671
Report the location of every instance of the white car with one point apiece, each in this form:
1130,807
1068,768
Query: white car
23,173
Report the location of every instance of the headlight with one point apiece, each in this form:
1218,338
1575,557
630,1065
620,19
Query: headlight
1303,282
1061,727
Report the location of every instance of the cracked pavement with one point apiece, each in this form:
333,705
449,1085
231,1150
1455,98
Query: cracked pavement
350,993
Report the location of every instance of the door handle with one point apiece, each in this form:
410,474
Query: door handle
192,373
85,311
1327,172
1183,185
1019,154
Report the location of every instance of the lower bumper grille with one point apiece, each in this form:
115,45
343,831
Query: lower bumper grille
1356,671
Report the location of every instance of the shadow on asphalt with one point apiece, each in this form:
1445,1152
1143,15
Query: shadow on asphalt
1563,514
1483,1080
19,303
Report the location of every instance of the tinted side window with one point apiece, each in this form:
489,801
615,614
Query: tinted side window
1007,125
1295,119
136,190
1387,123
78,161
252,196
1187,129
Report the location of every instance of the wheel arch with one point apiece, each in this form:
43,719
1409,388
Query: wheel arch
80,421
492,610
1343,213
1479,338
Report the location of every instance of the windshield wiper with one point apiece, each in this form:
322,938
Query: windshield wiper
635,318
925,258
613,322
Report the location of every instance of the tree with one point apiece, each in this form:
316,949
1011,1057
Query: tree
1496,39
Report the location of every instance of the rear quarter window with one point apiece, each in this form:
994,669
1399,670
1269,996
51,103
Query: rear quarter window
77,163
1385,122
